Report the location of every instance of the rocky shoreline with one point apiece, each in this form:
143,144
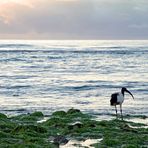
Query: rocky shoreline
70,129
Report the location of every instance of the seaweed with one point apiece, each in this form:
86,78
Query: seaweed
61,127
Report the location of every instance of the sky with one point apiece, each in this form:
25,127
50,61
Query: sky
74,19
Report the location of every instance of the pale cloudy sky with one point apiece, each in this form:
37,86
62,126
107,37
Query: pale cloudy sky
73,19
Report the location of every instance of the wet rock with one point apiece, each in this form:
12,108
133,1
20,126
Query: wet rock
126,127
2,116
75,125
37,114
144,117
92,125
73,111
29,128
15,95
60,140
59,113
34,117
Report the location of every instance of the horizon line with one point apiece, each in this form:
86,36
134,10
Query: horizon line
79,39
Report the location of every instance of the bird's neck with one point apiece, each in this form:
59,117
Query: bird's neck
122,91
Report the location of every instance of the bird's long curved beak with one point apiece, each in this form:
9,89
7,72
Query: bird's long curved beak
130,93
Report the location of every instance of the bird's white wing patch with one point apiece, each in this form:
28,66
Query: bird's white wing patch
120,98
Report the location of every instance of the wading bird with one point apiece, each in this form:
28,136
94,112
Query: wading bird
118,98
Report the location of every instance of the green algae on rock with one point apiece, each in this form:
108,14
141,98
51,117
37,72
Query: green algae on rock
24,131
2,116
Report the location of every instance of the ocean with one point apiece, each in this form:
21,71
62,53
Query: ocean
47,76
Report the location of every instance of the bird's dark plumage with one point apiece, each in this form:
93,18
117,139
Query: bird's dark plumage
113,100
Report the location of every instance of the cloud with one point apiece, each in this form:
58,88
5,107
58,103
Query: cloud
74,19
9,10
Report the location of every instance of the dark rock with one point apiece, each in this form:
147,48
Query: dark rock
92,125
60,140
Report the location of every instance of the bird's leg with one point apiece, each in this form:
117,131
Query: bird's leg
121,111
116,111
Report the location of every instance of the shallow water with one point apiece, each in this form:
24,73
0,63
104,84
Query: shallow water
83,144
57,75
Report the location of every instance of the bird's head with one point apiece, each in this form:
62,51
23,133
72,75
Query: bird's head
125,90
